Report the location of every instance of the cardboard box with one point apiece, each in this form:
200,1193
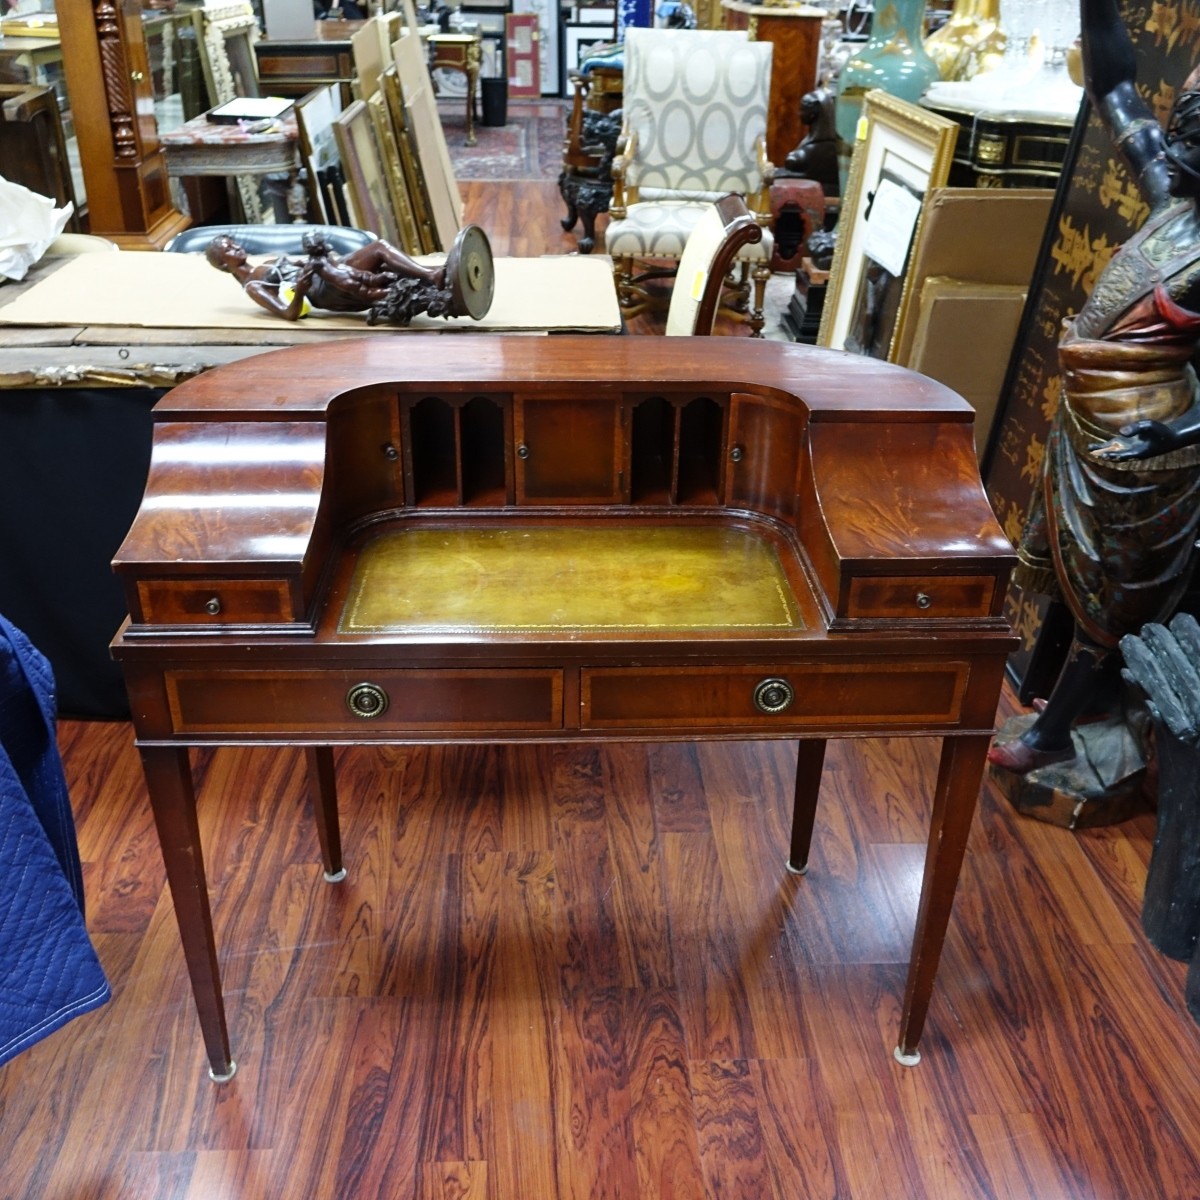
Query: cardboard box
964,337
973,234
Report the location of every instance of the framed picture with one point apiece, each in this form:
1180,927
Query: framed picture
389,150
226,37
369,199
906,152
315,117
429,140
581,38
410,162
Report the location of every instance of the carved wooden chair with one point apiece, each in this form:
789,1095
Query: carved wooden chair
726,227
695,123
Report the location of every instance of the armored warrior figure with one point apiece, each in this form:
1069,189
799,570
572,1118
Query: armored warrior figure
1114,526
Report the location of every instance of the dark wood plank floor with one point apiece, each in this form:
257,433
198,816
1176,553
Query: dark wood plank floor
565,973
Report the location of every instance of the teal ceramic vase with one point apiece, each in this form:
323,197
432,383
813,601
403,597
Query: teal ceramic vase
893,59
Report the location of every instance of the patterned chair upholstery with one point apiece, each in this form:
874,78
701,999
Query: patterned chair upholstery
695,123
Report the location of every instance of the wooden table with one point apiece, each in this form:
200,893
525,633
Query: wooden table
561,539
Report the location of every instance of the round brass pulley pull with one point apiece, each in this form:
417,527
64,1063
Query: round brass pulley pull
924,600
773,696
367,700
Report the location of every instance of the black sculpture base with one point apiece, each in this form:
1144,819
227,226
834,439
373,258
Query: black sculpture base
585,199
801,320
1102,785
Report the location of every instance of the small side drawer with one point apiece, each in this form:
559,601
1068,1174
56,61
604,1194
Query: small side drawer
366,701
215,601
900,694
921,596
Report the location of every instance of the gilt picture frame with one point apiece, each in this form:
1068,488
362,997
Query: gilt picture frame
385,134
410,162
905,152
370,203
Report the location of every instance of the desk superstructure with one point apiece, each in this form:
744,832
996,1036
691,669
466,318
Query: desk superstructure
571,539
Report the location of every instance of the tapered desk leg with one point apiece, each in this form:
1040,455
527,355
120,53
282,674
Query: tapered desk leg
323,782
960,775
173,799
810,762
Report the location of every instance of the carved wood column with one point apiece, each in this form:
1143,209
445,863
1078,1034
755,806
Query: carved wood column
112,102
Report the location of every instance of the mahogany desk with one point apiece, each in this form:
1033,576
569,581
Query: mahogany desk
570,539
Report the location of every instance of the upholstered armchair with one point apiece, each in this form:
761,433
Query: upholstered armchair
695,123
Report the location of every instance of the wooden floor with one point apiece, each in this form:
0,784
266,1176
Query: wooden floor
569,972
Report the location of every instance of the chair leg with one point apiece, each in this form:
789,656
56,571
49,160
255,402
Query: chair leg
623,278
757,319
633,297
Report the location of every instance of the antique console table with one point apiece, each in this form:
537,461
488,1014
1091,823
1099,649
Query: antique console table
561,539
246,153
462,52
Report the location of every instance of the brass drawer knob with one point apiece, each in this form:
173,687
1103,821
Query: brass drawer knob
522,451
212,606
367,700
924,600
773,696
737,454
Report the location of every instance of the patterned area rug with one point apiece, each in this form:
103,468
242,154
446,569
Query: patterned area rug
529,146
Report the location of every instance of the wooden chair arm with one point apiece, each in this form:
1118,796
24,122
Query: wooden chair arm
622,197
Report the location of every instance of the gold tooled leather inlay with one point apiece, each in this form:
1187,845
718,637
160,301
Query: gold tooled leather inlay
511,578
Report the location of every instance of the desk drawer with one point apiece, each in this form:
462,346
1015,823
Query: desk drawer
921,596
215,601
365,701
850,695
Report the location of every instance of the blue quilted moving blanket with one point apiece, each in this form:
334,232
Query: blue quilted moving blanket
49,972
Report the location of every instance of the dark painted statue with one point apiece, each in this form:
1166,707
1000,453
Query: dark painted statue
816,156
1113,529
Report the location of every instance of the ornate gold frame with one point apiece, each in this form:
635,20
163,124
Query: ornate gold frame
924,142
370,200
414,174
393,170
215,28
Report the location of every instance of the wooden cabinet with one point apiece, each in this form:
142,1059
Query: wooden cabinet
561,538
1007,149
112,103
293,67
795,32
570,453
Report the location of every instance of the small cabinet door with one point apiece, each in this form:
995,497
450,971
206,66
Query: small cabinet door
763,456
570,450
